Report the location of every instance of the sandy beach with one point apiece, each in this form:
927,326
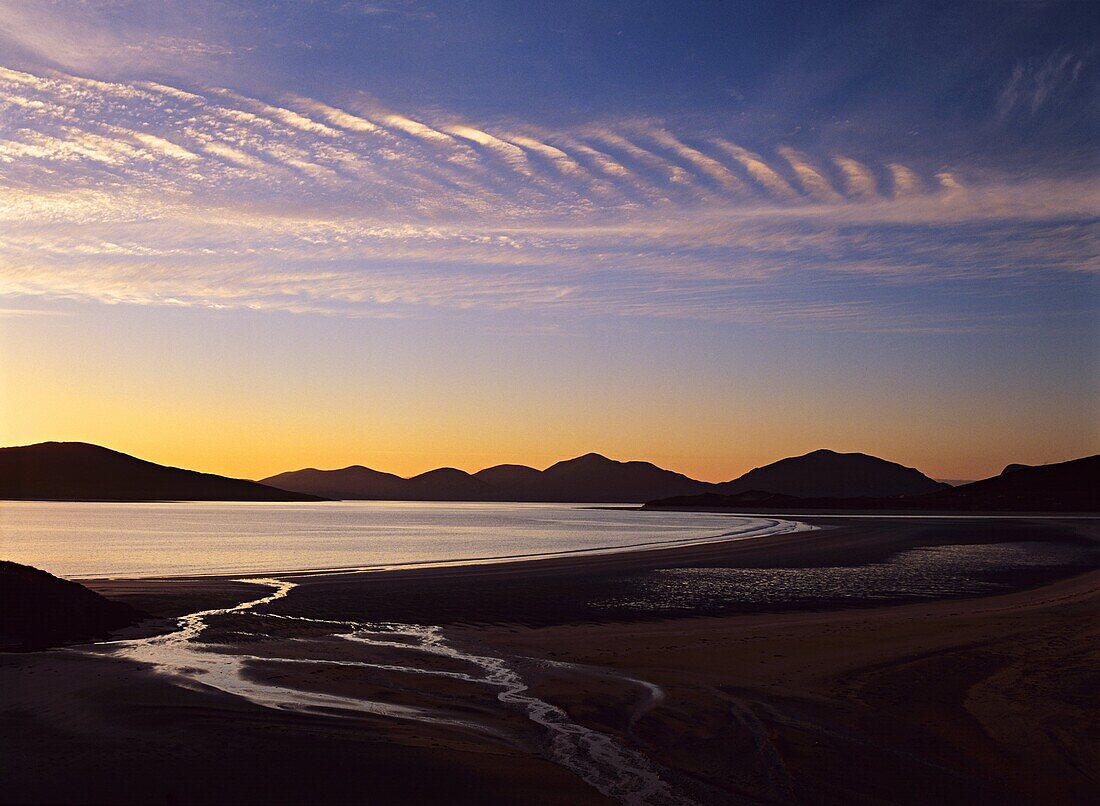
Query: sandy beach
500,683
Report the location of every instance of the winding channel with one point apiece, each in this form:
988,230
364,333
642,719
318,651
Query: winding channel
193,660
599,759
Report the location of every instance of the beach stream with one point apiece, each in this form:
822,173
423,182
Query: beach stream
190,659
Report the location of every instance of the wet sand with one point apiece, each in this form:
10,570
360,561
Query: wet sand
985,700
819,699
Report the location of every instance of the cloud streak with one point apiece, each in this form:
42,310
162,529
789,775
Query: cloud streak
145,193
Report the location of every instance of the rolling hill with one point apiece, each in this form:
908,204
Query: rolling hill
79,471
1072,486
591,478
828,474
447,484
355,482
597,478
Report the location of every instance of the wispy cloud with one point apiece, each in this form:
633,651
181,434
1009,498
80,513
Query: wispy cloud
905,180
811,179
112,35
704,163
511,154
758,169
145,193
562,161
416,129
859,182
1034,85
23,313
337,117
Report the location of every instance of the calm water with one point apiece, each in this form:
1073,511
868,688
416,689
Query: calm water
108,539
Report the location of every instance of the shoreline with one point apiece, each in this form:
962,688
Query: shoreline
965,699
656,545
855,542
799,519
814,512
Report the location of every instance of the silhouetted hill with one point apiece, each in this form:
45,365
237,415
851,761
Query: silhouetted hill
1012,468
1072,486
513,482
38,609
1064,487
595,478
355,482
590,478
448,484
79,471
828,474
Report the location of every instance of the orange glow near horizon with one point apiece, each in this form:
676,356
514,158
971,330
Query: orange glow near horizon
262,423
199,390
256,456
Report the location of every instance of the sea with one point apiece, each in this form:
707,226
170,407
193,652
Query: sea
100,539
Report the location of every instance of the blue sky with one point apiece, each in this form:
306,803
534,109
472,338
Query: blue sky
900,193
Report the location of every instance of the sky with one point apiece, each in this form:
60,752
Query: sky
249,237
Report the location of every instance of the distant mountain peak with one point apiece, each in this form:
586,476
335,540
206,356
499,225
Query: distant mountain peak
587,461
830,453
825,473
55,447
592,456
441,472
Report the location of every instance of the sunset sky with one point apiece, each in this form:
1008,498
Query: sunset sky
248,237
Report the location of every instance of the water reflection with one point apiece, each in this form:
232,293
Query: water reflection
921,573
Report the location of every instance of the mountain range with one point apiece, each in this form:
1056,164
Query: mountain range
593,478
819,479
1072,486
589,478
